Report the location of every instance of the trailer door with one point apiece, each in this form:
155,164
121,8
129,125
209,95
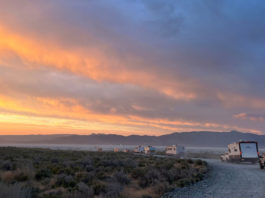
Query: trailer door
249,150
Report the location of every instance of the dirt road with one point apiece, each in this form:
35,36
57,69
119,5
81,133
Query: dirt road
226,180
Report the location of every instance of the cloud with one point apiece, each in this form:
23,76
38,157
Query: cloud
195,64
231,100
252,117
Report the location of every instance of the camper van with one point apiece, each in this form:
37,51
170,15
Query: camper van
139,149
175,150
243,151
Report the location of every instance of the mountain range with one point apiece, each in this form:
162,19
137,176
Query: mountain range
195,139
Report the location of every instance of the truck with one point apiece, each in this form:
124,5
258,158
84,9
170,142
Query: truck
242,151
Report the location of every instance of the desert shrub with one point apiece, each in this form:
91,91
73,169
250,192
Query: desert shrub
113,190
190,161
87,174
85,177
15,176
8,177
160,188
54,161
184,182
14,191
150,178
21,175
57,169
138,173
142,163
54,194
199,162
184,165
66,181
76,194
167,164
8,166
84,190
101,173
129,163
99,187
146,196
41,174
121,178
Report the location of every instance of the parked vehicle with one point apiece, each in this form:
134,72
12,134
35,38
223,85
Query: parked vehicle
175,150
262,161
139,149
149,150
243,151
116,150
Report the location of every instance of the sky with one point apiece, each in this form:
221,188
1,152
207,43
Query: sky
131,66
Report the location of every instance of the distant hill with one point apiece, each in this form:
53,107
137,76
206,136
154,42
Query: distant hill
196,139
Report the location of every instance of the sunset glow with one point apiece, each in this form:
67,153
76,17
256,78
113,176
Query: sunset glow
66,69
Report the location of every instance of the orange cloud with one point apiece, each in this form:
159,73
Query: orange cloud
252,117
231,100
65,115
91,62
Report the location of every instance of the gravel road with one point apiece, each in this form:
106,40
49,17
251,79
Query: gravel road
226,180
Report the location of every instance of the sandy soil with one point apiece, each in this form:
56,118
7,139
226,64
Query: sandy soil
226,180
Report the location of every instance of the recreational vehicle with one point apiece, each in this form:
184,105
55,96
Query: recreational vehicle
139,149
116,150
175,150
149,150
243,151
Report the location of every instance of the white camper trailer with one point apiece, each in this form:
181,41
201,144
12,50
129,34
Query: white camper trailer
243,151
139,149
175,150
149,150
